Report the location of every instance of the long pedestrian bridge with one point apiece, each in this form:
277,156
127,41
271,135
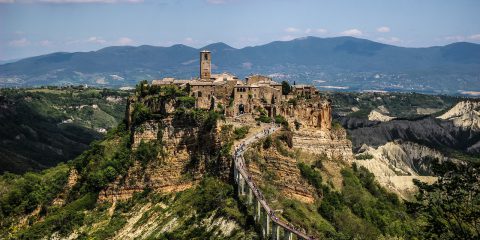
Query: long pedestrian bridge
272,227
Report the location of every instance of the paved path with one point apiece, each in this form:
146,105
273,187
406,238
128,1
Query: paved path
240,165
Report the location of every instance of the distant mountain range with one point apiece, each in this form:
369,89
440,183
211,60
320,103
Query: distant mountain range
330,63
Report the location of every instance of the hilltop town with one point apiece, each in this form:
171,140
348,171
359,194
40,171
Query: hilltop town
257,95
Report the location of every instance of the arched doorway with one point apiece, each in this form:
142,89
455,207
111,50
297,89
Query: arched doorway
241,109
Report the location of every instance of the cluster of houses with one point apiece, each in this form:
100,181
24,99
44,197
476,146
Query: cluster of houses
234,95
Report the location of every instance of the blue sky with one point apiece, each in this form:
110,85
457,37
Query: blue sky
34,27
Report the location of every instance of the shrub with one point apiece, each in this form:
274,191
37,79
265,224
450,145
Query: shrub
140,113
293,101
241,132
336,125
185,102
279,119
146,152
364,156
264,119
267,143
297,125
313,177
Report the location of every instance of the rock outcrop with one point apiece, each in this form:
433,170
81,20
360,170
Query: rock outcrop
332,143
180,164
312,113
430,131
466,115
378,116
396,164
282,171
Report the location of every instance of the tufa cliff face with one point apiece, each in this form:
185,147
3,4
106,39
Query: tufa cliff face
268,165
333,143
312,113
173,145
185,154
277,166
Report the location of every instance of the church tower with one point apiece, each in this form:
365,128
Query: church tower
205,65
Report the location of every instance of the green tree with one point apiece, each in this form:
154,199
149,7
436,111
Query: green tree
286,88
451,206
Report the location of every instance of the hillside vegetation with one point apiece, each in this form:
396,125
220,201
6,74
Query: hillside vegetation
360,208
334,199
42,127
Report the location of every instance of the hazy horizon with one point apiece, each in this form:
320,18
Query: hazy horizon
35,27
173,44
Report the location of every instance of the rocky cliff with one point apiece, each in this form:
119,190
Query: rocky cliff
333,143
428,131
466,115
313,113
396,164
268,165
184,153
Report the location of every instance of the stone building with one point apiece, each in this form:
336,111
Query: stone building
254,95
304,90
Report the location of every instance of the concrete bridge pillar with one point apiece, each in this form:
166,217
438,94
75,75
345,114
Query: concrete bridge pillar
275,231
250,195
287,235
267,225
258,211
235,173
241,185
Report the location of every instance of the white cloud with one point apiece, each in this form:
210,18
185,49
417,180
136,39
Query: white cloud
383,29
352,32
475,37
389,40
287,38
316,31
291,30
97,40
456,38
188,40
124,41
22,42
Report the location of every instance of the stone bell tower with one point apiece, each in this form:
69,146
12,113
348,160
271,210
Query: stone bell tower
205,65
